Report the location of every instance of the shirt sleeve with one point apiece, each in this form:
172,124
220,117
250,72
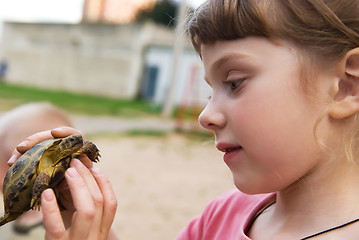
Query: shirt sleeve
206,225
225,217
196,228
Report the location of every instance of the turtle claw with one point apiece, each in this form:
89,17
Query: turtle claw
35,204
90,150
97,159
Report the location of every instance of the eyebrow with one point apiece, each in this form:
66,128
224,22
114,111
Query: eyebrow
226,58
218,63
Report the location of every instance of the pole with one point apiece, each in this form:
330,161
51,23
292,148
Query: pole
177,53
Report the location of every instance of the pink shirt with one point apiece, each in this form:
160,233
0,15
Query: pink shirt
227,217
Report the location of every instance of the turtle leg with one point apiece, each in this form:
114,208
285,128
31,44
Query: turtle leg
48,178
57,176
58,172
41,183
90,150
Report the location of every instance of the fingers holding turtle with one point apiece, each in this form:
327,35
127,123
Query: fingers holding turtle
94,206
40,167
36,138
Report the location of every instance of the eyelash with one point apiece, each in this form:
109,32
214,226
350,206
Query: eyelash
234,85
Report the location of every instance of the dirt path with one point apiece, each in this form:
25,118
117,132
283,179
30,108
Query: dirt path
161,182
100,124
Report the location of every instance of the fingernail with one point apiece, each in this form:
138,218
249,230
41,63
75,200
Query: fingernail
23,144
48,195
12,159
72,172
59,129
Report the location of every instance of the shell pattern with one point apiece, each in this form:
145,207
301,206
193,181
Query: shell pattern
21,176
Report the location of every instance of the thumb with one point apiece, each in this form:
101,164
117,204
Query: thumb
53,223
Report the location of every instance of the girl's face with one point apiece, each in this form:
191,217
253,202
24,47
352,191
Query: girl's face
262,120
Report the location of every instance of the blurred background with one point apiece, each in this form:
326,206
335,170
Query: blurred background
127,75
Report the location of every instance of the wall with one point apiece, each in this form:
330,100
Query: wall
191,89
90,58
101,59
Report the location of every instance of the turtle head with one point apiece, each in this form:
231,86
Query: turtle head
70,144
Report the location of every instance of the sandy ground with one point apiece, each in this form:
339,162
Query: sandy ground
160,182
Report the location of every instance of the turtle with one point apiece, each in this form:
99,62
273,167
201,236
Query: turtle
42,166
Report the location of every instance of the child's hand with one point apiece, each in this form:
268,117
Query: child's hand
39,137
94,206
86,194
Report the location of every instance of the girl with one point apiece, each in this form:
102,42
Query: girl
285,81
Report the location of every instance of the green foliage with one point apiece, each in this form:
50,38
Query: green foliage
13,95
164,12
146,132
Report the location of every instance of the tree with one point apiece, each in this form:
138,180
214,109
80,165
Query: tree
163,12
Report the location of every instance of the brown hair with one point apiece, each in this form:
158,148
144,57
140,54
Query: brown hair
326,28
322,30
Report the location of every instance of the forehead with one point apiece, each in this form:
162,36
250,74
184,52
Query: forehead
251,49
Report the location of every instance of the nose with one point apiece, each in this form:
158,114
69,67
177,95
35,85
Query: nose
212,117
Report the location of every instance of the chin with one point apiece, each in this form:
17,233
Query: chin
251,188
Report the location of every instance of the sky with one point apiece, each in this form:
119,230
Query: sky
48,10
67,11
41,10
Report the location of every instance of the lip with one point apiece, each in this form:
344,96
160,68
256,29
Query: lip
227,147
230,150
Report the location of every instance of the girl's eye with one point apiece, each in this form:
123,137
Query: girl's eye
234,85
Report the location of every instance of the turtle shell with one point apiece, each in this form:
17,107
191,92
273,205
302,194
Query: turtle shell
20,177
41,167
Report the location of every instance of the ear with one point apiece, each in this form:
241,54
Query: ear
346,96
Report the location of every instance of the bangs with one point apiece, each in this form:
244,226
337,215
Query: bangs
326,28
227,20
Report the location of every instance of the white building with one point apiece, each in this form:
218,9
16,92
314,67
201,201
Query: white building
121,61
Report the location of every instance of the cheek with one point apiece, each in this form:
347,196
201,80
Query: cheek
275,113
277,136
278,127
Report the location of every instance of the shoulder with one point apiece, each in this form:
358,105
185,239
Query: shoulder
226,217
235,203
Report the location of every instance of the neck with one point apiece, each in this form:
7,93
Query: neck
326,187
319,201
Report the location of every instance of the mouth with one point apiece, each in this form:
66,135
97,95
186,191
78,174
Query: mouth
231,149
227,148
